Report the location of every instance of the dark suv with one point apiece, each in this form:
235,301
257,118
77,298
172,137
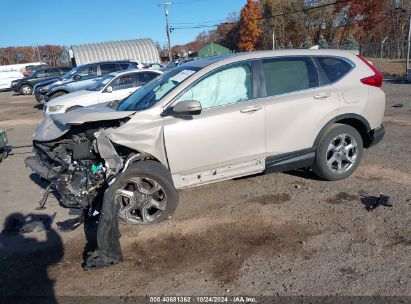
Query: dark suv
25,85
80,78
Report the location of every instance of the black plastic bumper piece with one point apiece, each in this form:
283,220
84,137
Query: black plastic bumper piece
376,135
34,164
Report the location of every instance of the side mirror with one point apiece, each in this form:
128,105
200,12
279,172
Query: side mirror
109,89
77,77
187,107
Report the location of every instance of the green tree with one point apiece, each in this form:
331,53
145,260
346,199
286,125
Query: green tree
308,42
350,43
322,42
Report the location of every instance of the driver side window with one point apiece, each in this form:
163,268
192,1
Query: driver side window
88,72
229,85
122,82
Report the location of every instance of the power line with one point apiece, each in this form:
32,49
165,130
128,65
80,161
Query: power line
202,25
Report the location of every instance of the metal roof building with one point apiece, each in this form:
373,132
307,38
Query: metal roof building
143,50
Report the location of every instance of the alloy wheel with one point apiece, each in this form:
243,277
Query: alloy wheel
141,200
342,153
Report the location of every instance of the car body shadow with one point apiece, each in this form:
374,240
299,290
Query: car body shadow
25,259
38,106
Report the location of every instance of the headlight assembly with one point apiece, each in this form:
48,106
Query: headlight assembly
51,109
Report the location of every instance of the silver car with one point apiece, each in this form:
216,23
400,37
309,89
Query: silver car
210,120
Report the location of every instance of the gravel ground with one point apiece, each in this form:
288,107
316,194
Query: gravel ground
278,234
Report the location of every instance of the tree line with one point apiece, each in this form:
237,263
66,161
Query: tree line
52,55
264,24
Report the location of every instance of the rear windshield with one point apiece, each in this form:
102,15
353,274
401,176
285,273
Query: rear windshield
334,68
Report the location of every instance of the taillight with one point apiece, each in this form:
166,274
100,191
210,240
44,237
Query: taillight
374,80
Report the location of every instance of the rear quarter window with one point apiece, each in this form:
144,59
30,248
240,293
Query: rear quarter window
334,68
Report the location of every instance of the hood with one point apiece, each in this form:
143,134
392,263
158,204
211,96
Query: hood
48,81
72,97
60,82
55,126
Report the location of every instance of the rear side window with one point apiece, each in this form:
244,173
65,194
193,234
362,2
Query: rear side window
286,75
124,66
143,78
334,68
108,68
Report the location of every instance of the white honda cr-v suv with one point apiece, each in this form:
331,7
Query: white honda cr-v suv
214,119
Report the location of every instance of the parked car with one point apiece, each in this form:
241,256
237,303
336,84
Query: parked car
210,120
114,86
177,62
82,77
31,68
25,85
6,78
154,66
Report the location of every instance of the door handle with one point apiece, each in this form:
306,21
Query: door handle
251,109
322,95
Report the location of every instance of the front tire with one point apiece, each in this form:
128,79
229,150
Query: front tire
339,153
26,89
145,193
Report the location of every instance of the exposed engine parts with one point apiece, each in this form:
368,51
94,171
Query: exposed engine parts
73,166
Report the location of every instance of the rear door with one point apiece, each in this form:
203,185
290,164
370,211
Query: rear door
297,105
227,138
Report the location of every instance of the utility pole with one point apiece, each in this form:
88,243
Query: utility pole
273,40
165,6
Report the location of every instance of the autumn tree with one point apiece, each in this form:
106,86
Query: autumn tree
250,31
53,55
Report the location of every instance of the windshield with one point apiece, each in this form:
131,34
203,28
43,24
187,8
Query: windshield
100,84
71,73
152,92
172,64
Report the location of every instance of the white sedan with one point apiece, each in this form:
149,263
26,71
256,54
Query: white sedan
114,86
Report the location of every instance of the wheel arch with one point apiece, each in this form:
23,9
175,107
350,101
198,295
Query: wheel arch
25,83
133,156
60,90
356,121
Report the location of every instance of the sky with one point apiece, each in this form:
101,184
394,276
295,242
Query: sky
72,22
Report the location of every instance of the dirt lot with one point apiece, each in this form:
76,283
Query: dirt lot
279,234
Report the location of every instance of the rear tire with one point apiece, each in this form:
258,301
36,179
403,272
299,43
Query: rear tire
339,153
145,193
26,89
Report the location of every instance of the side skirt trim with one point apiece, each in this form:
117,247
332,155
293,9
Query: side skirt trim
290,161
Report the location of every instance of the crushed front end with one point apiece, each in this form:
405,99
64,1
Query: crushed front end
71,161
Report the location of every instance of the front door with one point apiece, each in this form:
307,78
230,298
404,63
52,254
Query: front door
229,133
